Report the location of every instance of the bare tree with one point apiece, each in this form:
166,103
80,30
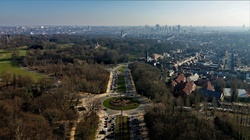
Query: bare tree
180,103
94,106
214,104
188,103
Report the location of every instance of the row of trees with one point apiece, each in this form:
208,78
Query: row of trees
147,80
166,122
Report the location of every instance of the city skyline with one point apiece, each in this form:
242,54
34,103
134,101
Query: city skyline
125,13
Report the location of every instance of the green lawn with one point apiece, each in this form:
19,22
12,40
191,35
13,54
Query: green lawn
134,105
121,84
22,52
121,69
122,128
4,55
7,66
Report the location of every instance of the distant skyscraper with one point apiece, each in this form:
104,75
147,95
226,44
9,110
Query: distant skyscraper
7,39
179,28
157,27
89,28
166,28
122,33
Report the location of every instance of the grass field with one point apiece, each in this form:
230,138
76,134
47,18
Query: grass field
7,66
121,69
22,52
5,55
121,84
122,128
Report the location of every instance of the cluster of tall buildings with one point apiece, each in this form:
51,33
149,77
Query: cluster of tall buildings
166,28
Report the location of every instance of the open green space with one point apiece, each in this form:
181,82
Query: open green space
121,84
134,103
121,69
122,128
22,52
5,55
6,65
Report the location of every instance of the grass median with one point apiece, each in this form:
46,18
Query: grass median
122,128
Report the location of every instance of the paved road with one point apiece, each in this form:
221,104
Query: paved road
111,92
130,91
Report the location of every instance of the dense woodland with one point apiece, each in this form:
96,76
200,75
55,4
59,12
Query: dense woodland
147,80
45,108
28,111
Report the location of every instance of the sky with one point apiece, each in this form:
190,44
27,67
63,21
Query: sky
124,13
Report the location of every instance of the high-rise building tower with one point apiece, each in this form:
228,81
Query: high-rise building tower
122,33
157,27
89,28
166,28
179,28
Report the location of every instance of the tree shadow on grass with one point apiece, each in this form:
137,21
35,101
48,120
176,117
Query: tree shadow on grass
4,59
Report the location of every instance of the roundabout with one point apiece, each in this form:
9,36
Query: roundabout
121,103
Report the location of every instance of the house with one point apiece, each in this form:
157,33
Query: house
189,87
156,56
180,79
182,87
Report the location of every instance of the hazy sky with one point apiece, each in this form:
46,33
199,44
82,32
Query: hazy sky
81,12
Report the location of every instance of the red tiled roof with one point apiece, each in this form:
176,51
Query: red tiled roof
189,87
181,78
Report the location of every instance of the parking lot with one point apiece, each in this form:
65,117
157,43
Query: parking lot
106,128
